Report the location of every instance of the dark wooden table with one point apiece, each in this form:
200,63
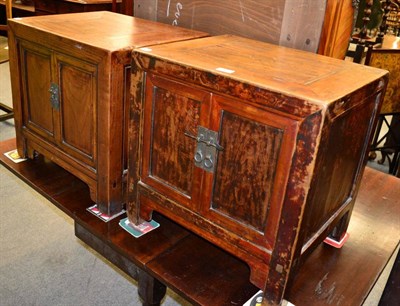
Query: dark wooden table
197,270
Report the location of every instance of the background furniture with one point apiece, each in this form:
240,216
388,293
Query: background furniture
18,10
46,7
70,85
387,56
255,147
285,23
4,27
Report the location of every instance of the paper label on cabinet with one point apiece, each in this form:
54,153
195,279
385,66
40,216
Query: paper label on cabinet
225,70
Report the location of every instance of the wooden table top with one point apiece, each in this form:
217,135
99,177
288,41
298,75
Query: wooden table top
198,270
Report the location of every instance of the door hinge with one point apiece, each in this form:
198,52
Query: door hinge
54,96
206,150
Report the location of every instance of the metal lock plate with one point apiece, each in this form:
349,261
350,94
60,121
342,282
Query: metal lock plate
54,96
206,150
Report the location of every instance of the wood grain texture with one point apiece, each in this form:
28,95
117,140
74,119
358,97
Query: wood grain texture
241,190
294,129
300,75
342,150
329,276
87,55
337,28
285,23
38,112
106,30
353,266
78,89
171,156
248,18
297,31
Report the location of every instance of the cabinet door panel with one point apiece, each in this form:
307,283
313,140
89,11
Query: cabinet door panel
173,112
241,190
36,71
78,87
246,190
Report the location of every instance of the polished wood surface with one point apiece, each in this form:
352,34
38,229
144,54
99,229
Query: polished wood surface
374,231
318,79
257,148
84,58
202,273
105,30
337,28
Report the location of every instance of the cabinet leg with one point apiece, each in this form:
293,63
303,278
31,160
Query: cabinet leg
340,229
150,290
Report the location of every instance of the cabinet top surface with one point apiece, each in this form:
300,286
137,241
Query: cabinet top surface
309,76
105,30
390,42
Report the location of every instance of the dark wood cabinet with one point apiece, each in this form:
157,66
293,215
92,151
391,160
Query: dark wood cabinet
47,7
257,148
70,82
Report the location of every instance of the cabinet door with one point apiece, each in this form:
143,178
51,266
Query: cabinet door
78,107
173,111
36,73
245,192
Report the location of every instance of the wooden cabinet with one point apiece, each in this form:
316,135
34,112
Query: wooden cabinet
70,82
257,148
59,102
46,7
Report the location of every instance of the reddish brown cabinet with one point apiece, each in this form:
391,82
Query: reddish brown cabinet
70,82
257,148
46,7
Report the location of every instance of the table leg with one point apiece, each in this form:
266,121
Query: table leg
150,290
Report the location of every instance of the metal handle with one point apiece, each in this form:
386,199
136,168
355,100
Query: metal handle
208,162
211,141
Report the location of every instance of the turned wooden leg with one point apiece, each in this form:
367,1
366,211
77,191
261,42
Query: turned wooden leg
150,290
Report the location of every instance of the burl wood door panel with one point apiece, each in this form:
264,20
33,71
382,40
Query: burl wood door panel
36,71
78,102
173,111
244,193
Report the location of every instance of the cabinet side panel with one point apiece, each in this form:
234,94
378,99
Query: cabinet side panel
341,151
246,169
38,112
172,151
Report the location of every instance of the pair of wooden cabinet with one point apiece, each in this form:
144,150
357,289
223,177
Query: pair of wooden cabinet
255,147
70,83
